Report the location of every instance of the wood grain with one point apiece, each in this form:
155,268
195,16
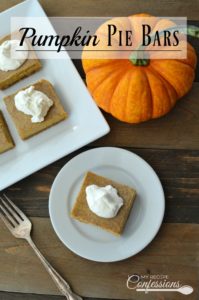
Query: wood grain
22,272
115,8
22,296
178,171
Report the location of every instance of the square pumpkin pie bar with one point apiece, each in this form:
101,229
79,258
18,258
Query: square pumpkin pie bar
25,127
30,65
83,213
6,141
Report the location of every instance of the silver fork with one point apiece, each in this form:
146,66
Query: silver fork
20,226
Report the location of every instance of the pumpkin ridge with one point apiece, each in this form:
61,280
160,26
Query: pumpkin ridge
109,105
89,74
172,101
123,74
176,63
151,94
184,63
104,65
120,71
165,87
125,104
160,75
115,77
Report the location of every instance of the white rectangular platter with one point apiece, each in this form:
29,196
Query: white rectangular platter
84,124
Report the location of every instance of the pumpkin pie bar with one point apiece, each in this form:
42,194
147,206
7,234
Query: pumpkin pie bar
6,141
82,213
31,65
23,123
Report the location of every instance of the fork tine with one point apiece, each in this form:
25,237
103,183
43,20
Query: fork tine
11,219
11,210
20,213
10,227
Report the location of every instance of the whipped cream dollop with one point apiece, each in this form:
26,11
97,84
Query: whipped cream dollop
10,59
103,201
33,102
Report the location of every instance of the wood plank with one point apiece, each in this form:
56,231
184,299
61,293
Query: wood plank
22,272
115,8
178,171
28,296
22,296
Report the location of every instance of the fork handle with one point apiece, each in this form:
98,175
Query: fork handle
62,285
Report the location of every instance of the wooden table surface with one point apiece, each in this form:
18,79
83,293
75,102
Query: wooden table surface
169,144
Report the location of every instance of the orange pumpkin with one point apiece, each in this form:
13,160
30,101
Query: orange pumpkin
134,92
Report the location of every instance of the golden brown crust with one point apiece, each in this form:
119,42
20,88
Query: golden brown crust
6,141
30,66
82,213
23,122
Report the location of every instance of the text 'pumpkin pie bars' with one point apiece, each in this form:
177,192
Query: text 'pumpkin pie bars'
6,141
16,62
103,203
35,108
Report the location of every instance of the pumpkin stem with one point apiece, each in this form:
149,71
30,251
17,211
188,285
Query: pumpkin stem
193,31
137,58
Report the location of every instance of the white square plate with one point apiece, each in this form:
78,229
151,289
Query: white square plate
84,125
145,218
